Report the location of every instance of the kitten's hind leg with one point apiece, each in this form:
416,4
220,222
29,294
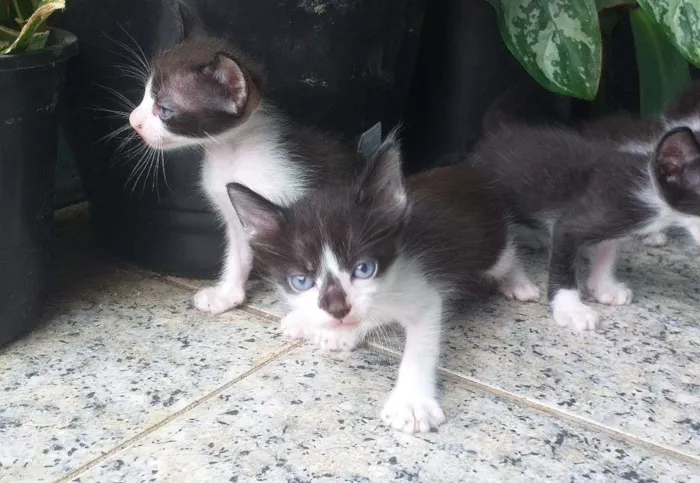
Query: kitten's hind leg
602,284
564,297
412,406
511,277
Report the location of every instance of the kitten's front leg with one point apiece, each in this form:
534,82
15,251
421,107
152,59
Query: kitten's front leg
412,406
230,291
602,284
564,296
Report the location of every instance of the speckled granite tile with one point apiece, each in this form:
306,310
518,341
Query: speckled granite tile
311,417
117,353
640,373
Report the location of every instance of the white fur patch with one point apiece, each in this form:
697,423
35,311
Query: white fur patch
512,279
570,311
602,284
330,266
666,217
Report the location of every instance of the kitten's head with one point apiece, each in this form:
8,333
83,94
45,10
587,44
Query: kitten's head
199,89
332,252
677,170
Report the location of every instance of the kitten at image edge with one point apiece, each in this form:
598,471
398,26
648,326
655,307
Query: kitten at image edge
588,192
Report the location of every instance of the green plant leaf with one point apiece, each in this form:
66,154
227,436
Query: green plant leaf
663,71
556,41
33,35
680,21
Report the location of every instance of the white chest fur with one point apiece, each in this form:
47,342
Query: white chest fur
255,159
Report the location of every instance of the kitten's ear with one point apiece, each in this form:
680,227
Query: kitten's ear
383,180
229,74
190,19
258,215
676,152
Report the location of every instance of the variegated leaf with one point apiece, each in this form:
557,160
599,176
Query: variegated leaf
557,41
680,21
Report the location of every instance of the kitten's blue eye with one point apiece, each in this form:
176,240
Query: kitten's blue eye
164,113
365,269
301,283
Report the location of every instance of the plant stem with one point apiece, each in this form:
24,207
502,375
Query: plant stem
20,18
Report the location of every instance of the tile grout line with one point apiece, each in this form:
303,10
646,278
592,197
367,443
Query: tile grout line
581,421
469,382
283,352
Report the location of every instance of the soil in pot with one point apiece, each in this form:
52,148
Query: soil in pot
30,85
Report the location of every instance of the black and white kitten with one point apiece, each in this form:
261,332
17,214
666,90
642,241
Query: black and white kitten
640,135
386,249
205,92
591,194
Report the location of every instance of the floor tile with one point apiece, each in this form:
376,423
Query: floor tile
312,417
118,353
640,373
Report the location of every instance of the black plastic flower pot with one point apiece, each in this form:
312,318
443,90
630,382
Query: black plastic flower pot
30,85
341,65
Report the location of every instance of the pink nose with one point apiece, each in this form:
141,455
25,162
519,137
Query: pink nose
135,122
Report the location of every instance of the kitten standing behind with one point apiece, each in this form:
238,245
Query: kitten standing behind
381,250
206,93
640,135
591,194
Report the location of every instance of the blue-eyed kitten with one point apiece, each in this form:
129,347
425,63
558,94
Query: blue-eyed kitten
204,92
384,249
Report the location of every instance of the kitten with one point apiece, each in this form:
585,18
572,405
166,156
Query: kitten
589,193
206,93
386,249
640,135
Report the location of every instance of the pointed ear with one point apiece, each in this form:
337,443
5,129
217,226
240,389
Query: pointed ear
383,180
190,21
229,74
258,215
675,152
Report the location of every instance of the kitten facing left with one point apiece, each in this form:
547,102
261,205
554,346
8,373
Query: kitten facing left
386,249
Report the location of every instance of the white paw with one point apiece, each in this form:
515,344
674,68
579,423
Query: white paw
295,327
655,239
412,413
219,299
569,311
524,290
340,339
615,293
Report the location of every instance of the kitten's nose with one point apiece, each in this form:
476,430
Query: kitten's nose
333,300
340,312
135,122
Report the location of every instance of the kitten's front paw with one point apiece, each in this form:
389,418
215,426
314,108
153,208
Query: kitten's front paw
295,327
341,339
655,239
412,413
219,299
523,290
614,293
569,311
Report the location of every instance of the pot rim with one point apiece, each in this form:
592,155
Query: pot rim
61,46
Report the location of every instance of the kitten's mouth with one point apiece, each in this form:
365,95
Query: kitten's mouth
348,323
